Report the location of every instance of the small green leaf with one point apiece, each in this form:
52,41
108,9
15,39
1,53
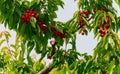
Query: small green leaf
33,22
111,67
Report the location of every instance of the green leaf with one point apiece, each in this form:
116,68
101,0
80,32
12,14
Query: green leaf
80,2
6,58
117,69
33,22
112,17
111,67
4,48
38,66
89,64
118,2
2,41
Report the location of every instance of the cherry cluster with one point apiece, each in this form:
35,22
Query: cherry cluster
83,14
57,33
101,9
86,14
28,14
104,27
42,26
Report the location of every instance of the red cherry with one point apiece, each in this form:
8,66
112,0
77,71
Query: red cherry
52,28
107,26
83,33
56,34
27,19
29,14
81,12
36,16
40,23
107,18
81,24
33,13
81,20
87,12
102,35
23,18
63,35
44,28
102,31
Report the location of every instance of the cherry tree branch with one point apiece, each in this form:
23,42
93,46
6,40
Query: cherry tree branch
47,69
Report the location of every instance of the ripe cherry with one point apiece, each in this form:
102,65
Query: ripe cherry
107,18
44,28
81,24
27,19
82,33
102,35
102,31
63,35
107,26
87,12
23,18
40,23
36,16
81,12
27,15
52,28
56,33
33,13
81,20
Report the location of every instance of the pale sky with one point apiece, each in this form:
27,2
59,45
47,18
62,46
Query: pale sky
84,43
